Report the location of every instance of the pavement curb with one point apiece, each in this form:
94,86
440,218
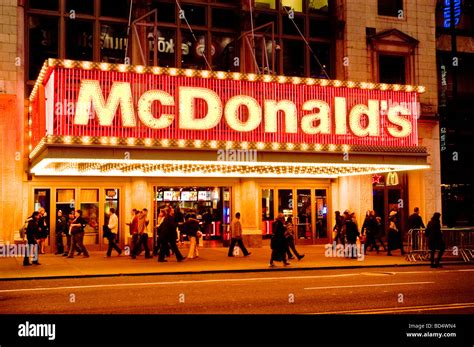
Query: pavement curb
206,272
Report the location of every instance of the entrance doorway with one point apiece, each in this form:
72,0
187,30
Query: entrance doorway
211,205
307,208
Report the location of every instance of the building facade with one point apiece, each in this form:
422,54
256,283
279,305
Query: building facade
360,62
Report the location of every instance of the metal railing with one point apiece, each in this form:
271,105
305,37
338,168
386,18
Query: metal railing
459,243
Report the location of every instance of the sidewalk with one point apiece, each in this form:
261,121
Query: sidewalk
211,260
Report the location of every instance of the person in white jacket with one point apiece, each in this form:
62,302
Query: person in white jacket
112,235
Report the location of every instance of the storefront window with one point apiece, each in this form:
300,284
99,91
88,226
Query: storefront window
265,4
323,53
303,208
285,202
268,213
79,40
114,8
224,51
65,200
194,15
318,5
50,5
321,214
293,58
111,201
79,6
193,52
166,12
296,5
43,42
224,18
166,47
289,28
90,212
113,43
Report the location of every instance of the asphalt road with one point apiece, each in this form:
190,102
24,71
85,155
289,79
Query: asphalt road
413,290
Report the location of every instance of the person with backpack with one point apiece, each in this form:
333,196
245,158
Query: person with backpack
435,239
31,233
236,235
76,229
61,228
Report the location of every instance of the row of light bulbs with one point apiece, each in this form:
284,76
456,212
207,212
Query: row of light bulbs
87,65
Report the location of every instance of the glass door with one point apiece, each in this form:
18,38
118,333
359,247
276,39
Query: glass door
321,214
303,222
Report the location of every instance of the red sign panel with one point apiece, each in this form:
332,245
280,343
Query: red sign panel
187,105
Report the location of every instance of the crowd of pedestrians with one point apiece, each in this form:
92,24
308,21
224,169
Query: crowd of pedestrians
172,224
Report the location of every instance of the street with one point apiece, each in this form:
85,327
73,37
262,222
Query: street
396,290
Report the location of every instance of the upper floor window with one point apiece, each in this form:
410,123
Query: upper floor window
391,8
392,69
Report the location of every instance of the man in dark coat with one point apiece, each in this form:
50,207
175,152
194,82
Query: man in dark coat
279,243
435,239
415,223
351,235
167,237
32,246
369,229
61,228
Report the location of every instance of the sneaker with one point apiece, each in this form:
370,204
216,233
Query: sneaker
301,257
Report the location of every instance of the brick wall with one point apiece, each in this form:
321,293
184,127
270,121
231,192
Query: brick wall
11,122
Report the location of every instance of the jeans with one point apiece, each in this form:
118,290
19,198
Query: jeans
291,245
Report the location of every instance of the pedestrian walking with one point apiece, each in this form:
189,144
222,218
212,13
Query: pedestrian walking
369,230
70,218
236,235
352,232
76,229
435,239
278,242
191,228
61,229
207,220
161,217
394,237
290,238
167,236
338,228
415,224
43,230
113,232
31,233
380,233
142,236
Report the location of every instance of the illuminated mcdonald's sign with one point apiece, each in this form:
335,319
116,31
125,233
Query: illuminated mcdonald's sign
392,179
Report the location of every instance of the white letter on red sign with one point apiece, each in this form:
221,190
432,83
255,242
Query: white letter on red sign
120,94
402,126
232,117
307,122
271,110
144,109
187,109
373,119
340,113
